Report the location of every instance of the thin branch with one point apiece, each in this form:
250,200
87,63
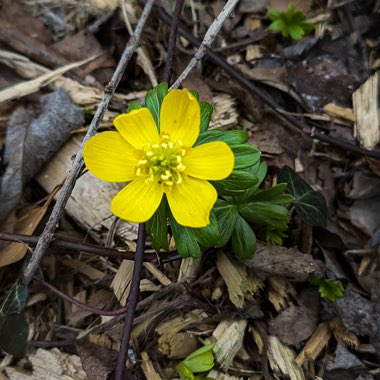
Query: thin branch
92,248
207,40
145,60
48,234
110,313
131,304
237,75
91,309
172,41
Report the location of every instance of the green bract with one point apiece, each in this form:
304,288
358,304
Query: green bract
290,24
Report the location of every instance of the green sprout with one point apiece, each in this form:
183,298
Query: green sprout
200,360
330,289
290,24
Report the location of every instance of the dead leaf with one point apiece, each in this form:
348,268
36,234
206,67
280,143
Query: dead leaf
98,362
25,225
293,325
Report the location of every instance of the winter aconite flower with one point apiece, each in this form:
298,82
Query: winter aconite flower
157,161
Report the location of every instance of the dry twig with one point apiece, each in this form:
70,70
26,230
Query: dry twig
48,234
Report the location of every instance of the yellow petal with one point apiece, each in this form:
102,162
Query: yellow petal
137,127
212,161
110,158
180,117
191,202
138,201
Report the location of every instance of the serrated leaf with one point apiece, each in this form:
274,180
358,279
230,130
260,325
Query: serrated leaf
153,100
330,289
206,114
229,137
157,227
243,239
185,241
309,204
14,334
236,183
135,105
226,214
208,236
245,155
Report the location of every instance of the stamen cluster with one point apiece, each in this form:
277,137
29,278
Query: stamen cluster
163,162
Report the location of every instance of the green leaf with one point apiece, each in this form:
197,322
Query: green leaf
15,301
135,105
290,23
309,204
245,155
330,289
243,239
229,137
208,236
226,214
157,227
195,94
201,360
185,241
260,170
206,113
236,183
153,100
14,334
265,213
275,195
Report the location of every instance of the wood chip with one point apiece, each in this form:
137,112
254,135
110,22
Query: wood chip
122,280
315,344
229,339
366,110
164,280
177,345
148,369
281,359
340,112
180,323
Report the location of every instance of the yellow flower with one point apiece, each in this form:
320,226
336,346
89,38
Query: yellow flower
157,163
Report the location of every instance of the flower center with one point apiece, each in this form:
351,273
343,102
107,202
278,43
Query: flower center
163,162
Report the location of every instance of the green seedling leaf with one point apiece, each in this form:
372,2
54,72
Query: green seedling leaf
157,227
135,105
237,182
153,100
14,334
330,289
226,214
290,24
201,360
229,137
206,114
243,239
309,204
245,155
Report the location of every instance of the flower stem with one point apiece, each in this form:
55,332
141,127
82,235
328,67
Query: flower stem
131,303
